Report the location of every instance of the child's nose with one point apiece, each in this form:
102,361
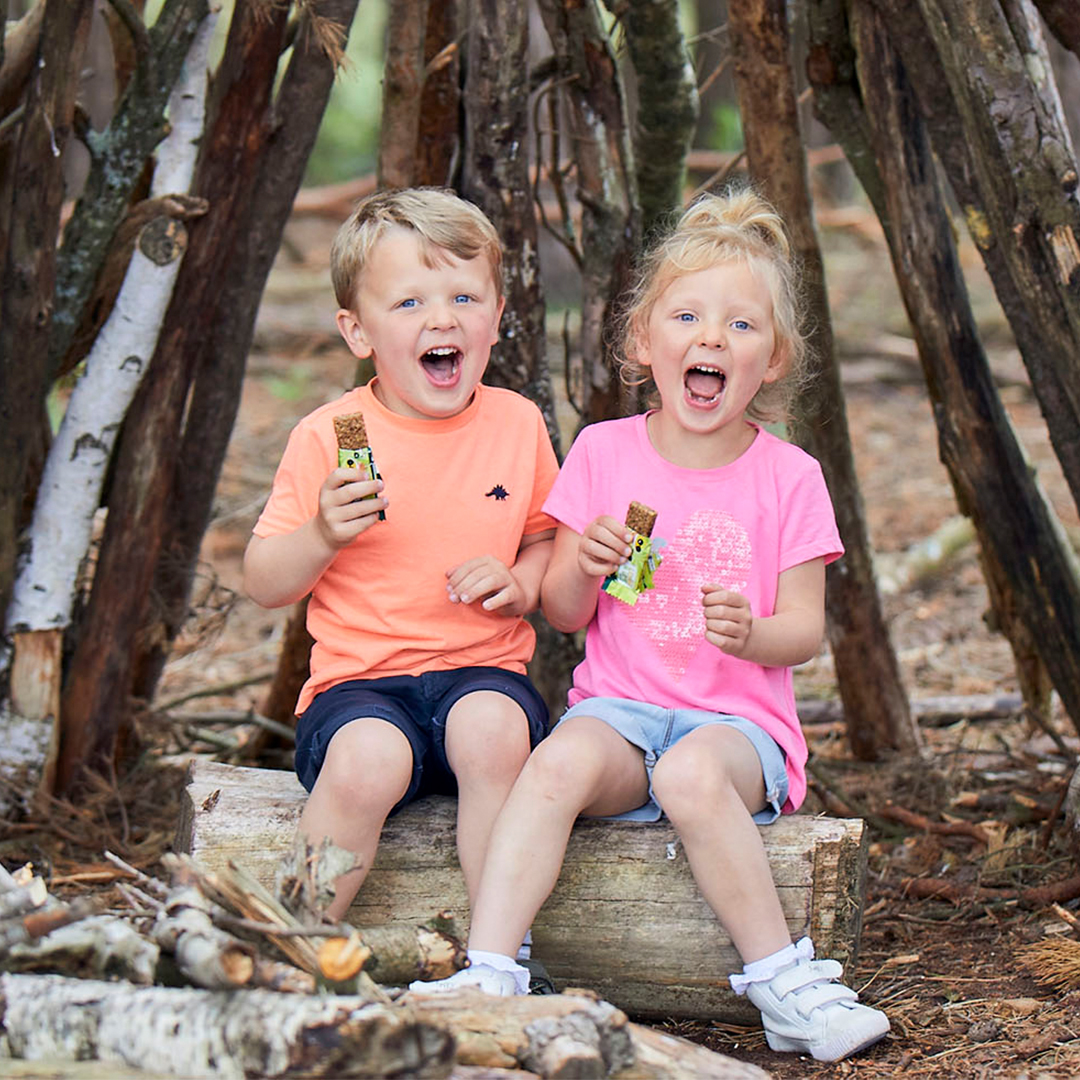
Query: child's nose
712,335
441,315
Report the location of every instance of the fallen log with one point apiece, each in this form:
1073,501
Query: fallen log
624,895
568,1035
220,1034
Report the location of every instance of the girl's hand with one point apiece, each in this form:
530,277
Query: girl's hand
728,619
344,512
604,545
490,580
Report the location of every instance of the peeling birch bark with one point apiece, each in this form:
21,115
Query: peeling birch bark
70,489
220,1034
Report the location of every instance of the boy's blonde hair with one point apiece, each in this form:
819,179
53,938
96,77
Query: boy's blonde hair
738,224
442,220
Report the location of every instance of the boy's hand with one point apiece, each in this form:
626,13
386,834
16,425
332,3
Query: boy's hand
490,580
344,512
604,545
728,619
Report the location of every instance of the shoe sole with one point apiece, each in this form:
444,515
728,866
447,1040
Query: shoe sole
834,1052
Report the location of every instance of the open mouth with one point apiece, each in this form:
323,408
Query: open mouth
704,385
442,364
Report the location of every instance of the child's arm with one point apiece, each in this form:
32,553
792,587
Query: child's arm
282,569
511,592
579,562
791,635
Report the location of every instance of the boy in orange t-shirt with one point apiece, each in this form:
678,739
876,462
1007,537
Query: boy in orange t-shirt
420,581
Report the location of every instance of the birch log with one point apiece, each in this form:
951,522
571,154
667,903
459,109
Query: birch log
222,1034
624,895
70,489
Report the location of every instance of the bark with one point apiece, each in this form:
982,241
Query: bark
868,674
20,50
603,160
249,172
438,146
667,110
203,1033
495,176
29,272
623,886
993,483
289,132
98,947
294,666
403,80
118,159
997,128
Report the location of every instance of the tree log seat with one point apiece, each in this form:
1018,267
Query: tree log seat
625,918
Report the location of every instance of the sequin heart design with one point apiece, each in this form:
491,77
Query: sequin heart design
710,546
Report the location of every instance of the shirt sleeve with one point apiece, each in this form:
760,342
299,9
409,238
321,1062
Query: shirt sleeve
294,497
569,499
808,524
547,469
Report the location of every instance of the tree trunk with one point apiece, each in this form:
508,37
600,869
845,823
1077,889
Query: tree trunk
33,219
1002,139
667,111
495,176
610,226
403,81
991,478
438,142
868,675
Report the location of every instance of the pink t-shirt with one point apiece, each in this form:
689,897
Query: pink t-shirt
471,485
739,526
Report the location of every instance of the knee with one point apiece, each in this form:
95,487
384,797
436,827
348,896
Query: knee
690,785
560,770
366,770
487,737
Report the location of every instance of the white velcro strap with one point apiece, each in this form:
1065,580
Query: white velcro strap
799,976
814,997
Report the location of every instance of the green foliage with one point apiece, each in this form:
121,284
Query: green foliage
725,127
348,140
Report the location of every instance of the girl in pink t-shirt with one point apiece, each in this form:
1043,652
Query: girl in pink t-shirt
683,704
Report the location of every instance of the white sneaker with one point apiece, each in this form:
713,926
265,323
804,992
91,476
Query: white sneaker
478,976
806,1009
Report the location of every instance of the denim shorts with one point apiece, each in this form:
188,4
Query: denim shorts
417,705
654,729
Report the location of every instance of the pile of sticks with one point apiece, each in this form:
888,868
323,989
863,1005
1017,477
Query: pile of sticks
211,974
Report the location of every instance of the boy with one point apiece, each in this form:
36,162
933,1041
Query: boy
419,582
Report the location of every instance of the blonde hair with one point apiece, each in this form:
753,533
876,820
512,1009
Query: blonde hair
442,220
741,225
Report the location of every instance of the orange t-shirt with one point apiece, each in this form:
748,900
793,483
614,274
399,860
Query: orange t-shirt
471,485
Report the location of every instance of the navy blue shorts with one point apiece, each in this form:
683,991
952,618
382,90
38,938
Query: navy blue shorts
417,705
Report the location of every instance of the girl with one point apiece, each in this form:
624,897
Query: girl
684,704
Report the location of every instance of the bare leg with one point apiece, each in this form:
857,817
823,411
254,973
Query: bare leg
367,770
487,742
709,784
584,766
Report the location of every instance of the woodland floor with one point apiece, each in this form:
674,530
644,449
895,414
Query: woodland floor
952,974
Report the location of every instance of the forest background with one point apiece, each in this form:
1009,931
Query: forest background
942,641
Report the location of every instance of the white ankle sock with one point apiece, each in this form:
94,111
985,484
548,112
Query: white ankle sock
764,969
501,962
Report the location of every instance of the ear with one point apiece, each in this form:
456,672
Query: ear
778,363
498,318
348,324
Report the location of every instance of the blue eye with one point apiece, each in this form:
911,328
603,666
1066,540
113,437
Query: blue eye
410,303
462,298
687,317
741,324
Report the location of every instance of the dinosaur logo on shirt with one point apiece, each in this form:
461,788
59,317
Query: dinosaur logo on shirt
710,546
498,493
